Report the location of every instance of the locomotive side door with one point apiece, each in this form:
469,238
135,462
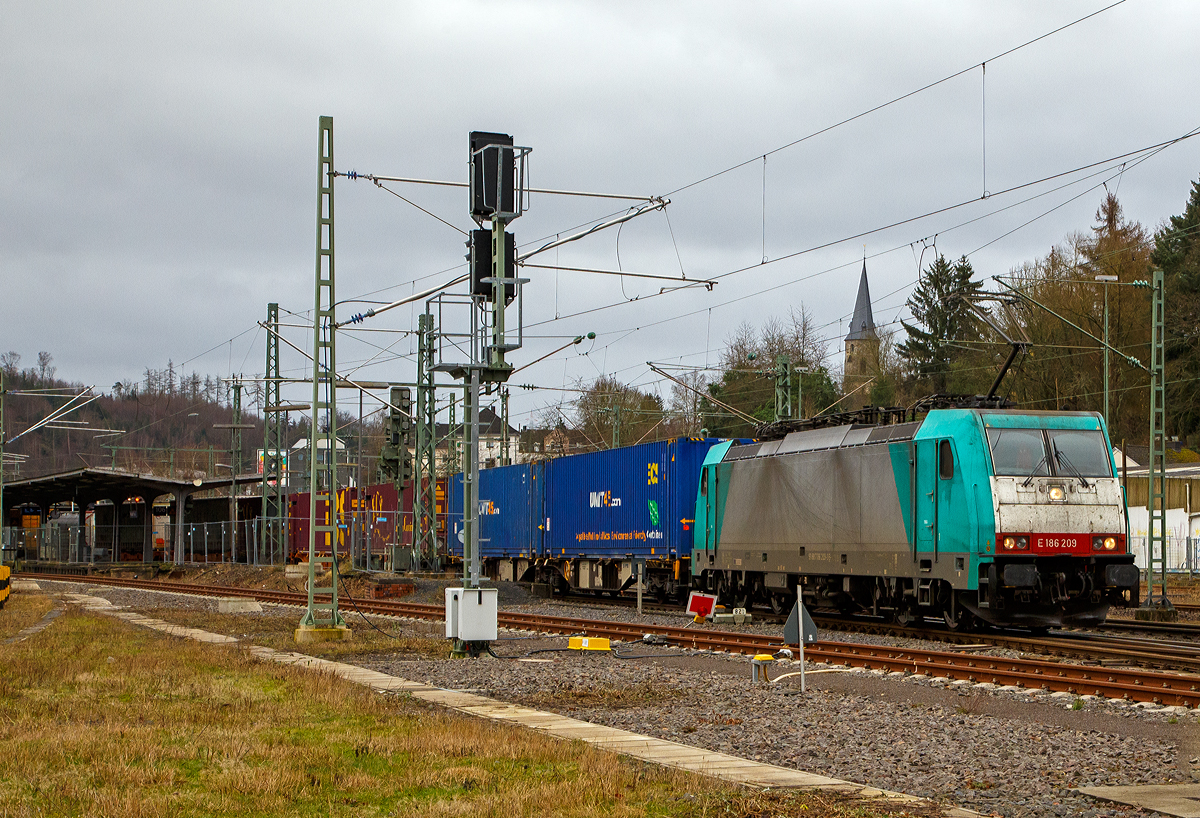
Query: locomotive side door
708,490
949,512
925,491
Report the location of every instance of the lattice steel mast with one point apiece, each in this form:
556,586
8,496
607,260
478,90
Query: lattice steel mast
274,445
1157,541
424,489
323,615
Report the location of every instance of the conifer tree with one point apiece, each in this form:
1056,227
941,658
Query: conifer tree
940,319
1177,253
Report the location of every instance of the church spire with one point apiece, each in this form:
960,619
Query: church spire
862,325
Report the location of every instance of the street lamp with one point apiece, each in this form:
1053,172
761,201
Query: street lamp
1106,279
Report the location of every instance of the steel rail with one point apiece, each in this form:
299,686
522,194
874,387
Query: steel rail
1118,683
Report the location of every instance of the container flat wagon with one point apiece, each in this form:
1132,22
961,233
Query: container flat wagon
585,522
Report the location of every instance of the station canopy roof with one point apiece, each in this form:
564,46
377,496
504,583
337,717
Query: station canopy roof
84,486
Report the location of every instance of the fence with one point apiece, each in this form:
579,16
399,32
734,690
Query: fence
52,543
202,543
1183,554
367,537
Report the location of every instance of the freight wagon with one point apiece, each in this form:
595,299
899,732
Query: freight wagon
584,522
385,518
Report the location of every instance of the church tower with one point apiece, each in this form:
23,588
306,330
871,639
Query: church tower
862,349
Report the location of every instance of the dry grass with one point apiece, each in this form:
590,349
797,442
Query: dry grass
233,575
274,630
102,718
22,610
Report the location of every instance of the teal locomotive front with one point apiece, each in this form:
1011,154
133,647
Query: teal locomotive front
928,518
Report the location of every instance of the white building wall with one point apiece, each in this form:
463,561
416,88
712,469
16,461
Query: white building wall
1183,535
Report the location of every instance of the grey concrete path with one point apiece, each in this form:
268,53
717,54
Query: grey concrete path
1180,800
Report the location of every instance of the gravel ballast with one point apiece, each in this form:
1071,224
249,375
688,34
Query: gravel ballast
998,751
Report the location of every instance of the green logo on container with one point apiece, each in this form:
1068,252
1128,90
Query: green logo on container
653,512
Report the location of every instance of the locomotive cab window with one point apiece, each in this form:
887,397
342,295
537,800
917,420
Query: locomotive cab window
1019,452
945,460
704,482
1081,453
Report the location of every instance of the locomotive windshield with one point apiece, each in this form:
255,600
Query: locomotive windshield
1019,452
1082,453
1065,452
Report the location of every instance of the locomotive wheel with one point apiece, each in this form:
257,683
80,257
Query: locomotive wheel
963,623
731,596
905,616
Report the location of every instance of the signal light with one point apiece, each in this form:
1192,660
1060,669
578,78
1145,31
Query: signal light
395,459
492,163
480,260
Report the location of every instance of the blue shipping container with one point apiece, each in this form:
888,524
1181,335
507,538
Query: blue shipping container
634,501
510,511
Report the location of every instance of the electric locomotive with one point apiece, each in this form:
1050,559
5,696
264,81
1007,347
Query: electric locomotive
1014,518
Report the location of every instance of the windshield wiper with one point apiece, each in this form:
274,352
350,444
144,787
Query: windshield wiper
1036,466
1062,460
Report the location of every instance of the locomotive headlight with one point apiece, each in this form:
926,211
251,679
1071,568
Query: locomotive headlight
1010,543
1110,543
1022,543
1056,493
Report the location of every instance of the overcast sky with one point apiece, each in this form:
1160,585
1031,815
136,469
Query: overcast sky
158,163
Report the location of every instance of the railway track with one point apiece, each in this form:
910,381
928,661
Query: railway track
1089,646
1120,683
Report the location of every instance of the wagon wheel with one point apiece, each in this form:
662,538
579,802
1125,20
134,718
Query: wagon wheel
778,603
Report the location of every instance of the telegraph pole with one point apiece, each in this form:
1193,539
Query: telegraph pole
395,458
1106,279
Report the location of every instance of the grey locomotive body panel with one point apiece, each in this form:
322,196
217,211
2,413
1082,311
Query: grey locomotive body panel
828,511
